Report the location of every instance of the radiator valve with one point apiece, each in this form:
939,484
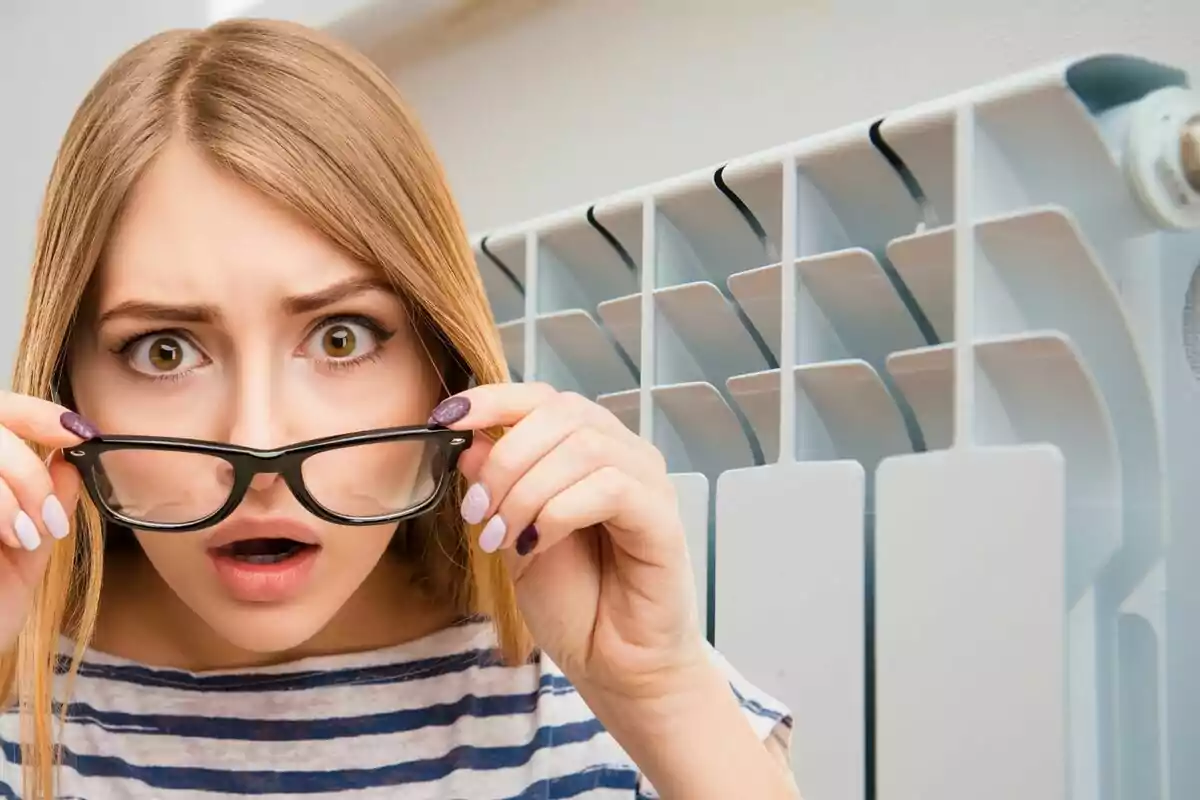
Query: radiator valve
1162,157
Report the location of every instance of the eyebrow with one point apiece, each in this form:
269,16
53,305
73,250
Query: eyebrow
201,314
343,290
144,309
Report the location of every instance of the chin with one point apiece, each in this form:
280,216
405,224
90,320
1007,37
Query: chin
267,629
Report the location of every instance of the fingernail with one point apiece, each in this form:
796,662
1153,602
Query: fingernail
527,541
55,518
450,411
475,504
26,531
78,425
493,535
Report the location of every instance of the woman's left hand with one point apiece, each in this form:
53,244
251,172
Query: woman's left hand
584,512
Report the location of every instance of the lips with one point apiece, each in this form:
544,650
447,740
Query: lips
264,561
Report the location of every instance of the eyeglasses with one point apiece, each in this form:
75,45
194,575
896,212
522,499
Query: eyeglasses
178,485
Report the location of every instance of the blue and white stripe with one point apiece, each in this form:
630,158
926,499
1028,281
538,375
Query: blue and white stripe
436,718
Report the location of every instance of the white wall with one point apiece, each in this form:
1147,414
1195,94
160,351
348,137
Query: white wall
51,51
587,97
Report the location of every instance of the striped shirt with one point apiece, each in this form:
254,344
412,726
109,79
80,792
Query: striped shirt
439,717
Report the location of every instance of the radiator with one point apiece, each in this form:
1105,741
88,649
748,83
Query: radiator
927,386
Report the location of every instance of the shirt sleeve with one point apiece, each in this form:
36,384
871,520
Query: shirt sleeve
769,718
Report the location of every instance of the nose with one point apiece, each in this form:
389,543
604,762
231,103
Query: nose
254,420
263,481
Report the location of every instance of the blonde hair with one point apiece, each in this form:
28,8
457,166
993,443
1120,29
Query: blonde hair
317,128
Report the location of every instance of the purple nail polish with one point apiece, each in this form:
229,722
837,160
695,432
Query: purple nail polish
450,411
527,541
78,425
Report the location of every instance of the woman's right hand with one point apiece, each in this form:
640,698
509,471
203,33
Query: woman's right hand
37,499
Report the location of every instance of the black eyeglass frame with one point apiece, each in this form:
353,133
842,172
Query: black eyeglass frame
287,462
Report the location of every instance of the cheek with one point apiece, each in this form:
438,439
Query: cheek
352,552
173,556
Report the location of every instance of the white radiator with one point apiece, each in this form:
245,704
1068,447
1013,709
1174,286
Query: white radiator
928,388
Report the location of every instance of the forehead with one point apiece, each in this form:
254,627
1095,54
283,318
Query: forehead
191,233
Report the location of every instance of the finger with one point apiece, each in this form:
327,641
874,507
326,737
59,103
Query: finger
491,405
41,421
597,437
508,405
583,452
29,480
596,415
539,431
640,522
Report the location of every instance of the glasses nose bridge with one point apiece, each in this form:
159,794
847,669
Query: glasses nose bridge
274,463
261,471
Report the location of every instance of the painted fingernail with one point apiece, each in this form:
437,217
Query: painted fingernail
450,411
55,518
527,541
493,535
475,504
78,425
26,531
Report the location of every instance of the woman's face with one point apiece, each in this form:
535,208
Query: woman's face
218,316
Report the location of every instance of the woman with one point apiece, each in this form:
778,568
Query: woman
246,243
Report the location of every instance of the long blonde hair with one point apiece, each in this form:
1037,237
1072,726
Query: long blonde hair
317,128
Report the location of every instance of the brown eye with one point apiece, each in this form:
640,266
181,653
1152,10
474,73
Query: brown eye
160,355
165,354
339,341
343,342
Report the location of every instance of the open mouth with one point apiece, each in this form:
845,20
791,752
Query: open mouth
264,551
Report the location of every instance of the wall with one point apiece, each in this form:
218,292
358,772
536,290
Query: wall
575,99
51,51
